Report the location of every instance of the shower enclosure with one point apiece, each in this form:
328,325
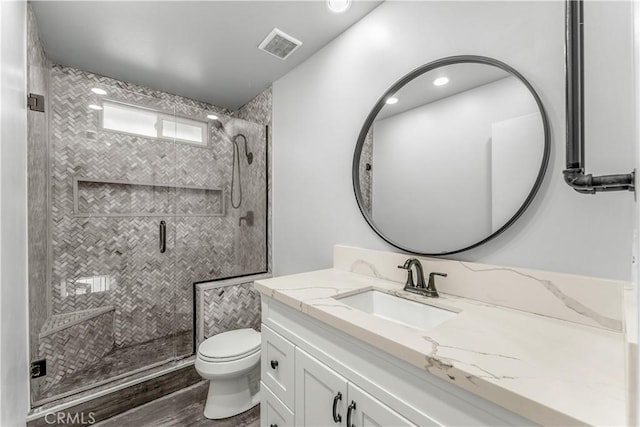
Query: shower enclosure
132,205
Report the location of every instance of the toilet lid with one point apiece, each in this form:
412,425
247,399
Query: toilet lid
231,345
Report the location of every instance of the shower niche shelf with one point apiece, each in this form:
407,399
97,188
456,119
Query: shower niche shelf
95,197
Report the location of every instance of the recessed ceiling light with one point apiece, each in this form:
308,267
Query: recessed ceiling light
212,117
392,100
338,6
95,107
98,91
441,81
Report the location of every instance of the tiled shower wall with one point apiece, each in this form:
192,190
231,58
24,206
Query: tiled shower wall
366,176
226,305
151,293
259,110
143,279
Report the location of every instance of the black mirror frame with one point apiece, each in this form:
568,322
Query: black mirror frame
355,172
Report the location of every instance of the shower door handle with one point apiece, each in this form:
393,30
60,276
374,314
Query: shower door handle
162,232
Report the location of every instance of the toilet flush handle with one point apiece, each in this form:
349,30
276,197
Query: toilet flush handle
274,364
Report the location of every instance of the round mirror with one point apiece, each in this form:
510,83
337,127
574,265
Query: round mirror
451,155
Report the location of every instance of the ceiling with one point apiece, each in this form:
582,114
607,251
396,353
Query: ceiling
202,50
421,91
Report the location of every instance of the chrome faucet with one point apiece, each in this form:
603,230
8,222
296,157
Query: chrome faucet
420,288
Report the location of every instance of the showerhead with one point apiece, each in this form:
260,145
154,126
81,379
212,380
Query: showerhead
218,124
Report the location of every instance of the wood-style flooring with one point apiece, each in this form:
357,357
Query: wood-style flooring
182,408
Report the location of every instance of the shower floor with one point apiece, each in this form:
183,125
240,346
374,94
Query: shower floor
124,360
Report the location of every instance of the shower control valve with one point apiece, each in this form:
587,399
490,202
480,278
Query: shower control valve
248,218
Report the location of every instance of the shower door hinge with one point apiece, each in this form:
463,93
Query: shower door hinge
39,368
35,102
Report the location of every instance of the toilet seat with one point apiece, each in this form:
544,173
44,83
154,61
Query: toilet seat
230,346
227,359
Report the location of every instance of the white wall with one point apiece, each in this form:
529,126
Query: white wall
319,108
445,142
14,357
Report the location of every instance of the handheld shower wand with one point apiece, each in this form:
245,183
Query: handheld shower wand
236,155
218,124
246,149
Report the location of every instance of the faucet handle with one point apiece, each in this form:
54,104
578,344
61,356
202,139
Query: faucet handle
431,286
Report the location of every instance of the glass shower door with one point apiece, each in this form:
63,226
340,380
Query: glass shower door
111,289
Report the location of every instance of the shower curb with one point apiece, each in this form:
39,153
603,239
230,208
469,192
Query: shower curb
88,411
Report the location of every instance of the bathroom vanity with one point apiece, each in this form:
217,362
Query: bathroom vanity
316,365
343,347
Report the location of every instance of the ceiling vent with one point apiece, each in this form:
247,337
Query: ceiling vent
279,44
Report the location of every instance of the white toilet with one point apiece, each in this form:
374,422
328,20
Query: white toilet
231,363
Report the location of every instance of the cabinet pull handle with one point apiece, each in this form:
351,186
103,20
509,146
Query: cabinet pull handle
337,418
273,425
274,364
350,409
163,236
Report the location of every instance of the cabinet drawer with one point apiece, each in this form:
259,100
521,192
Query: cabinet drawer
277,365
272,411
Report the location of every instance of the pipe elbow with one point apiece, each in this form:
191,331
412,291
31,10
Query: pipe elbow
588,184
580,182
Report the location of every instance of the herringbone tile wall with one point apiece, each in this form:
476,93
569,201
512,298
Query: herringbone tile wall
230,307
151,292
366,176
104,198
259,110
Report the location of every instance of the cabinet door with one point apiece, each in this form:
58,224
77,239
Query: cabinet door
317,389
369,411
273,413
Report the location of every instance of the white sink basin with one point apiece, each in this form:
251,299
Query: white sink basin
399,310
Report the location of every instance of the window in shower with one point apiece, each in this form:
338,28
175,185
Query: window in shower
138,120
183,130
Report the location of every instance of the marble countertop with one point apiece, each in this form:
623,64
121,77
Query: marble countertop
551,371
